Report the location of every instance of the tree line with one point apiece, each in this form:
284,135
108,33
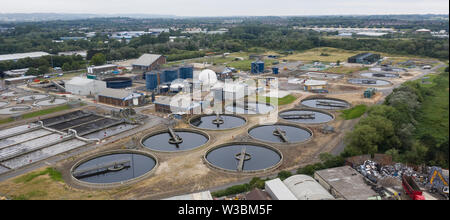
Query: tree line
402,128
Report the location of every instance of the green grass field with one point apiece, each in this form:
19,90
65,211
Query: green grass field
283,101
37,113
46,111
434,113
53,173
354,112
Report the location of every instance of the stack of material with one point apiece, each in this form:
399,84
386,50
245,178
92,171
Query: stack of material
389,174
370,170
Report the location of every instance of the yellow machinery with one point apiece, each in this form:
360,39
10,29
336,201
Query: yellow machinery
441,183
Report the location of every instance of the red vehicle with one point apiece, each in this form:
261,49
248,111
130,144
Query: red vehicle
411,188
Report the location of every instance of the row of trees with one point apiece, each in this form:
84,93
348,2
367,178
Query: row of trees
43,64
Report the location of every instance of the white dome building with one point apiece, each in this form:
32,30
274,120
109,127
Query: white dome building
207,77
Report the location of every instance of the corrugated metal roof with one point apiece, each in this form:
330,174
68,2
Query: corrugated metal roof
278,190
147,59
20,78
347,182
306,188
17,56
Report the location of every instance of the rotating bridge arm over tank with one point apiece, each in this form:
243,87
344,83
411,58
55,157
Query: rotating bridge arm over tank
102,168
175,139
242,157
218,120
281,134
332,104
299,116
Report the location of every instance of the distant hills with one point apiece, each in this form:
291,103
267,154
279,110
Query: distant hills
30,17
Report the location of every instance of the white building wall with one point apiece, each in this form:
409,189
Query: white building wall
278,191
89,88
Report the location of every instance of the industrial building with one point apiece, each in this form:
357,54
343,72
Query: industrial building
156,79
297,187
121,98
315,85
18,56
148,62
104,69
364,58
186,72
306,188
344,183
278,190
257,194
180,104
19,80
16,72
84,86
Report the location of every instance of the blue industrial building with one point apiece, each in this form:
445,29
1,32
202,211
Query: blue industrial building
170,75
167,76
151,81
186,72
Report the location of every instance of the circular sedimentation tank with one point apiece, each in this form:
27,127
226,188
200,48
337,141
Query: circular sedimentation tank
178,140
280,133
118,82
32,97
306,116
252,108
369,82
243,157
15,109
214,122
113,167
380,75
326,103
49,102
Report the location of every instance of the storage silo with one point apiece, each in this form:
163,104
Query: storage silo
254,68
151,80
170,75
275,70
260,65
118,82
186,72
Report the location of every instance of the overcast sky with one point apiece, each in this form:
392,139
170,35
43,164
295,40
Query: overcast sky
228,7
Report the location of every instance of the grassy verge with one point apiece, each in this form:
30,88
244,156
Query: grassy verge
53,174
282,101
46,111
37,113
354,112
47,184
6,120
433,117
